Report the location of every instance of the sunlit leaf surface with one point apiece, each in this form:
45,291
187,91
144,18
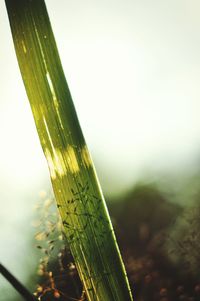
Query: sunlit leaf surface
79,198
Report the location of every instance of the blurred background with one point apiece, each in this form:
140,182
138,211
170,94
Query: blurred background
133,68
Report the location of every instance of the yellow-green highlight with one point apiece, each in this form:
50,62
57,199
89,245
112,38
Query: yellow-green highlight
78,194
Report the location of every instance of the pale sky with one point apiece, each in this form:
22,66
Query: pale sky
133,68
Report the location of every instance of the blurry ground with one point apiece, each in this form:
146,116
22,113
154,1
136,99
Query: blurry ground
159,240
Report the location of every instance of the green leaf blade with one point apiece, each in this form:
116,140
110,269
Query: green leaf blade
81,204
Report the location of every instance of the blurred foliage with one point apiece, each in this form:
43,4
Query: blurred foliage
159,241
144,213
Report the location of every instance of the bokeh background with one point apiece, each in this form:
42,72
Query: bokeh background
133,68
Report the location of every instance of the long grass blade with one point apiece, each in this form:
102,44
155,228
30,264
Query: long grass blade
78,194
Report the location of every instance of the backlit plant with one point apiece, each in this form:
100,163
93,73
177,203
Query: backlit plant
77,191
